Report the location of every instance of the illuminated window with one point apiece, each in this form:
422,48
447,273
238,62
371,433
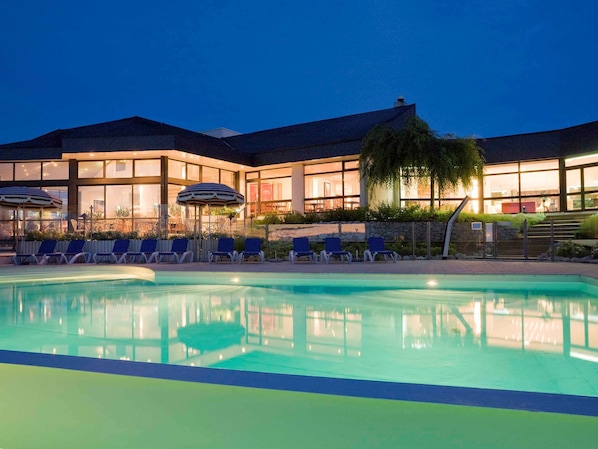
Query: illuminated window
209,174
55,170
91,169
147,167
177,169
6,172
193,173
28,171
119,168
146,197
119,201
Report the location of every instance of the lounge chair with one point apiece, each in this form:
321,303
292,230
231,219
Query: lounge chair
178,252
73,253
225,249
147,252
120,247
332,248
301,249
376,248
46,247
253,248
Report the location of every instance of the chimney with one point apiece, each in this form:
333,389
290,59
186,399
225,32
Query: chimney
400,102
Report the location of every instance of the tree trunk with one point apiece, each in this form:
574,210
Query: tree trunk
431,194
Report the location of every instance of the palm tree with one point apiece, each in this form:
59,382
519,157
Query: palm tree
389,155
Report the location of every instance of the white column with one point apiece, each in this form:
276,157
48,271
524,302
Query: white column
298,188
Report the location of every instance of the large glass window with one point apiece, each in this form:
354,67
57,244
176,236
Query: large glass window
227,178
91,169
177,169
6,172
269,191
146,198
28,171
147,167
120,168
119,201
55,170
210,174
590,178
91,200
581,160
328,186
540,183
61,193
193,172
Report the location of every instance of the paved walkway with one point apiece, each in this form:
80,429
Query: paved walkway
401,267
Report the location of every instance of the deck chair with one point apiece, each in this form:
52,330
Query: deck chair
332,248
73,253
253,248
225,250
147,252
120,247
46,247
178,252
376,248
301,249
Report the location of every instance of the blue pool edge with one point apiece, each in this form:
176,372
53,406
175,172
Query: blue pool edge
436,394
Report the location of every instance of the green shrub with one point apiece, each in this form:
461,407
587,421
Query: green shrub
570,249
588,228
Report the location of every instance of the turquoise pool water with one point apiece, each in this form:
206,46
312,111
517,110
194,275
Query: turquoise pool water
531,334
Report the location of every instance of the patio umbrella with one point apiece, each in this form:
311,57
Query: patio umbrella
27,198
212,195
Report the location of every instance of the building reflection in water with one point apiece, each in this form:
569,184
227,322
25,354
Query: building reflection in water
363,333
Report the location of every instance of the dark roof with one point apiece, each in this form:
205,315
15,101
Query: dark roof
324,138
576,140
340,136
125,134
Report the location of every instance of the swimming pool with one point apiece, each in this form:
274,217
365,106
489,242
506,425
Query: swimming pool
425,342
508,333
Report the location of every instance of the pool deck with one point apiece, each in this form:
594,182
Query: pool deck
462,267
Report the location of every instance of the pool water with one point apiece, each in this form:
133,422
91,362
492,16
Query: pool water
506,333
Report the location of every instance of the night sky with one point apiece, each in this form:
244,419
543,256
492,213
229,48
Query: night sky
479,68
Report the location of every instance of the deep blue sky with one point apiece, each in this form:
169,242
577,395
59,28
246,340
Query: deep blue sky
473,67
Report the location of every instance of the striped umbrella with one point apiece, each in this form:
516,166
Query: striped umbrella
210,194
27,198
15,197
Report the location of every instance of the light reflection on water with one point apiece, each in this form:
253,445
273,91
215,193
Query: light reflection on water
519,340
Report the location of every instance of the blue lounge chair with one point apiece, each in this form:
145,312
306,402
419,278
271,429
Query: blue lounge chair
120,247
332,248
301,249
376,248
225,250
178,252
73,253
147,252
46,247
253,248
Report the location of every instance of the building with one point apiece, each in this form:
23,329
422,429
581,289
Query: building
126,174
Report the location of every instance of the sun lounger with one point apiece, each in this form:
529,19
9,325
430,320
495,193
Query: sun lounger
73,253
178,252
147,252
120,247
376,248
332,248
301,249
47,246
253,248
225,250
